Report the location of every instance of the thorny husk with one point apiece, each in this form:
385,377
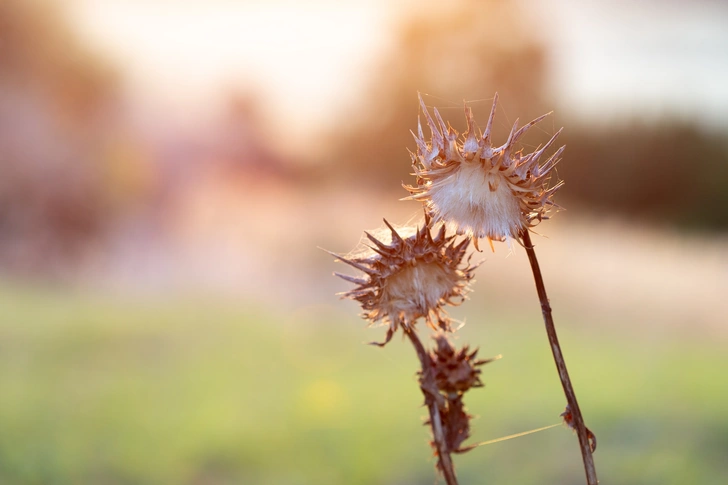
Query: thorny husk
482,190
455,371
410,277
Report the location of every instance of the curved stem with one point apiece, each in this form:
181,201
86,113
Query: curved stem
581,430
433,400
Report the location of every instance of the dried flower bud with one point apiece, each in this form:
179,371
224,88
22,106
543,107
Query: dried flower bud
569,421
456,424
481,190
409,278
455,371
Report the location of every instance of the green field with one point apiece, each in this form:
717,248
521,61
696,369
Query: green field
97,390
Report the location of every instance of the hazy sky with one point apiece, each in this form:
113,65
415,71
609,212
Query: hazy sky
618,58
609,58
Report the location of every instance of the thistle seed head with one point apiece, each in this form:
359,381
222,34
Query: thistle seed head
410,277
478,189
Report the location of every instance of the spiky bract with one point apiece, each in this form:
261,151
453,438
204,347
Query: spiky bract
410,277
481,190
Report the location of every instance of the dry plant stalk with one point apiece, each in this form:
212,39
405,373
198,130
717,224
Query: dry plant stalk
477,190
572,415
411,277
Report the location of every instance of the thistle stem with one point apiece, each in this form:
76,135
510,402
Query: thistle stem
433,400
581,430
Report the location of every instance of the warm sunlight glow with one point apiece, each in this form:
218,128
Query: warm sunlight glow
302,58
299,56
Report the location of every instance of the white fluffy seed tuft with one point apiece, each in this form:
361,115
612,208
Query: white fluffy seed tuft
477,202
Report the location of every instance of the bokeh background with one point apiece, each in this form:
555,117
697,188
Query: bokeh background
168,169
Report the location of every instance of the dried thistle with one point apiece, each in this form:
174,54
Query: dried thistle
481,190
409,278
455,372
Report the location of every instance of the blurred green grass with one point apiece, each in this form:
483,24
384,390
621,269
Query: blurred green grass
105,390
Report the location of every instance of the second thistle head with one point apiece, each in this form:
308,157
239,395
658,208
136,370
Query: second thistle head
410,277
482,190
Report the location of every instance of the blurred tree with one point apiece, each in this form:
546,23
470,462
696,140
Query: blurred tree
465,49
672,173
55,103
